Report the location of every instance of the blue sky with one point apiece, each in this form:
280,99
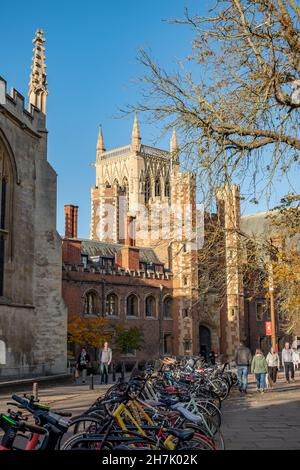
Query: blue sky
91,53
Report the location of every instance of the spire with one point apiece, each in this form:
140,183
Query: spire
174,149
38,82
100,143
173,141
136,136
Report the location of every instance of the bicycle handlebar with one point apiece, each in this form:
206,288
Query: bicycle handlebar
33,428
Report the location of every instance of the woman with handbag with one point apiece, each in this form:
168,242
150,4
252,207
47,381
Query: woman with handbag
273,366
82,363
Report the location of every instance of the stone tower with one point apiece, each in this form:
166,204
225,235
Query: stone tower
33,316
232,314
145,184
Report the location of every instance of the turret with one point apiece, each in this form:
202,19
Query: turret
174,149
136,137
100,143
38,78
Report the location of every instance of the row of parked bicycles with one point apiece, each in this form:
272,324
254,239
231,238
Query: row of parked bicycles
177,407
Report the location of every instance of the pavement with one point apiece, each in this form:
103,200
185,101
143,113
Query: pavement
269,421
71,397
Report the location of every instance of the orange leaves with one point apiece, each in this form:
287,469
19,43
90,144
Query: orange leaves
88,331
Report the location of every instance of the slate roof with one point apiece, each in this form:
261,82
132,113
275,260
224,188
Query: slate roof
108,250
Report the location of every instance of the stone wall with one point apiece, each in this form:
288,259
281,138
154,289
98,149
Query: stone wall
32,312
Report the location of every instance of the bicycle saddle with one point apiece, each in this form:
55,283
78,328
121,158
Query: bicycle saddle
186,413
182,434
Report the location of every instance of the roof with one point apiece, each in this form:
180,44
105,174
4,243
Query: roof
108,250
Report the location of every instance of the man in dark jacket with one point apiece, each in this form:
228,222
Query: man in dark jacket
82,363
243,360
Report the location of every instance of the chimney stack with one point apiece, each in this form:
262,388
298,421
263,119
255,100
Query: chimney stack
71,218
130,231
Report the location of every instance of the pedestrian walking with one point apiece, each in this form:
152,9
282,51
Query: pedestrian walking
105,358
296,359
273,366
287,362
259,367
243,360
83,361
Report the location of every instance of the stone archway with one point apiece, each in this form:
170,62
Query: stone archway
204,341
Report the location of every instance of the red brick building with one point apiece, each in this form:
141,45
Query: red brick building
127,284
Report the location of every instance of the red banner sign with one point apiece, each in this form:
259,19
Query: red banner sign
268,325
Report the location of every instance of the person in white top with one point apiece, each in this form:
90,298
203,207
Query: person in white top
273,366
287,362
296,358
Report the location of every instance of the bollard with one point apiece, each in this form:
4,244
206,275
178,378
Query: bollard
35,391
123,372
92,382
113,372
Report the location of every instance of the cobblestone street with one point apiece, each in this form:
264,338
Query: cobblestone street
268,421
254,422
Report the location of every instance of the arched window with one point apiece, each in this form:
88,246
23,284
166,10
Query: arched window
2,353
5,213
125,185
112,305
150,306
167,309
147,190
157,187
91,304
132,306
167,189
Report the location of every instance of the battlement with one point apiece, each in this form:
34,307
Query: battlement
120,151
14,104
145,150
117,271
154,152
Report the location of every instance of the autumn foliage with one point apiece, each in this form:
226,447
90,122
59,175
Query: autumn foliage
89,331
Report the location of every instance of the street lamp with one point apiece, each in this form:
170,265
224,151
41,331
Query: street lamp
160,319
272,305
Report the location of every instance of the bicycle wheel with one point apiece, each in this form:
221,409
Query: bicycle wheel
81,425
85,442
212,410
198,443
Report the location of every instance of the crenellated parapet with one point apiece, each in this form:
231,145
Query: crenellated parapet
13,105
118,271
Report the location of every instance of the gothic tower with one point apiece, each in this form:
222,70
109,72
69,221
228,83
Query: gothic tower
145,184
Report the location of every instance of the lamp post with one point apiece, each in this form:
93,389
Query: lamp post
272,306
160,319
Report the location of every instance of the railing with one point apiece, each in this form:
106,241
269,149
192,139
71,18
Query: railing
116,152
155,152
